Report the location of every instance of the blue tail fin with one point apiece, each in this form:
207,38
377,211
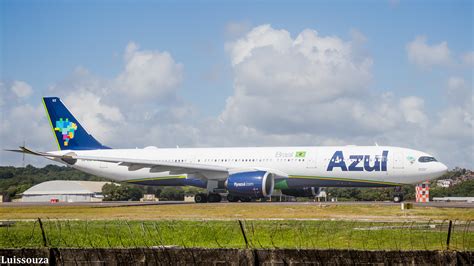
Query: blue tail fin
70,135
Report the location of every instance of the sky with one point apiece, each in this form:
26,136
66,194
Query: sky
241,73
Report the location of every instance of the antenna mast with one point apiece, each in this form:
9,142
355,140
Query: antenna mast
23,161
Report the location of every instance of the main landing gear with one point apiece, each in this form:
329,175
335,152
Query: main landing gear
216,197
211,197
232,198
398,195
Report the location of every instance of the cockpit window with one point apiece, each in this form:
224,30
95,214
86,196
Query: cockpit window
425,159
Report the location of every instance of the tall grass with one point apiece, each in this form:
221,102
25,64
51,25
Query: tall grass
322,234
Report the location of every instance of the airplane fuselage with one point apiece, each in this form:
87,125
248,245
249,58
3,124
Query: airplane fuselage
330,166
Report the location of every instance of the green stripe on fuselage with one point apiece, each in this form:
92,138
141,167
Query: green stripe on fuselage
345,180
156,178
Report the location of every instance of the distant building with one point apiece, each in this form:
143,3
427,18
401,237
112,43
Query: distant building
149,197
444,183
64,191
188,198
455,199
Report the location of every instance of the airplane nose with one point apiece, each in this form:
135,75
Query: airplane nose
441,169
444,168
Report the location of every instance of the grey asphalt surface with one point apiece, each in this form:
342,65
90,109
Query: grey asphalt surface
136,203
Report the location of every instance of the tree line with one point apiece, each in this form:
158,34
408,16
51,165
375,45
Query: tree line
15,180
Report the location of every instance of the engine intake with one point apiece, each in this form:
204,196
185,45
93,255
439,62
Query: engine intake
256,184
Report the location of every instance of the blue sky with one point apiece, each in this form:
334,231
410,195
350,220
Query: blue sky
45,42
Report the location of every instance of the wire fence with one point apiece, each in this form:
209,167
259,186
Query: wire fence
321,234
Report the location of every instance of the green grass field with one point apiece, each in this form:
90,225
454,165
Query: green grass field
260,234
362,226
370,211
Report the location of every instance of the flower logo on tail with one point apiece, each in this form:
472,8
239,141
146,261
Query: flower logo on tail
66,128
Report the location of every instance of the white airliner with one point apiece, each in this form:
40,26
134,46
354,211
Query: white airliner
243,173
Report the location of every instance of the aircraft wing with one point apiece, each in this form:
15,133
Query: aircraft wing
155,166
213,172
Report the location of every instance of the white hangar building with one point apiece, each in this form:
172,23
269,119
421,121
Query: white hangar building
64,191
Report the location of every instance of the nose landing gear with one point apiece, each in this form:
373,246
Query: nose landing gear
398,195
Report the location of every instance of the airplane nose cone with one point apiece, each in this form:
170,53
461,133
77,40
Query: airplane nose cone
444,169
440,170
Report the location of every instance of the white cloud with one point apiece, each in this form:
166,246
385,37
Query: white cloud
269,62
24,123
412,109
95,116
260,36
455,122
459,92
296,83
21,89
425,55
149,74
2,94
468,58
453,127
21,122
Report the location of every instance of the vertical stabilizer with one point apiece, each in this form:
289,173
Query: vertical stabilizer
69,133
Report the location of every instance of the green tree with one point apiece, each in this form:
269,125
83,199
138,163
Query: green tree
134,193
113,192
172,193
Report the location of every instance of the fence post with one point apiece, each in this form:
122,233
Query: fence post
449,233
243,233
45,242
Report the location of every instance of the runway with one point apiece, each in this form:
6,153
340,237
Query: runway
290,203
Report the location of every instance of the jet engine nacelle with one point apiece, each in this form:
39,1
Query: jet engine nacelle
301,192
255,184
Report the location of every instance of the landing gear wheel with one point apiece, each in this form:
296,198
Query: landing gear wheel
214,197
398,198
245,199
200,198
232,198
398,195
